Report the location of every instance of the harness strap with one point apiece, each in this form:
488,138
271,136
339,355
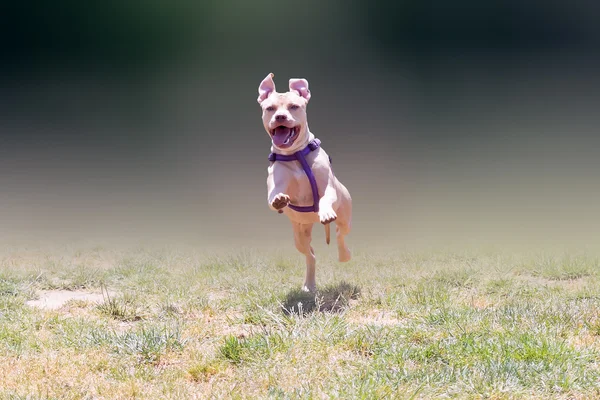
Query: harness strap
300,156
312,146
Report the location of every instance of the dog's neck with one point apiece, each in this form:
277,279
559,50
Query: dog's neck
298,145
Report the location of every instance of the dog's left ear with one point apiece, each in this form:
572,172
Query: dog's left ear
300,86
266,87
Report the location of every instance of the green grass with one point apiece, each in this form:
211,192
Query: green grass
185,324
123,308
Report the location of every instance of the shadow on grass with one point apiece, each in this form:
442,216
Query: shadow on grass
332,298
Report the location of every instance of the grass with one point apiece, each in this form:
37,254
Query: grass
123,308
180,323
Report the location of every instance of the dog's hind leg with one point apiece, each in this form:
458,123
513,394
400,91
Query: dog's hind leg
341,231
342,228
302,239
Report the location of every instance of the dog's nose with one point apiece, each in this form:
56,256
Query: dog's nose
280,118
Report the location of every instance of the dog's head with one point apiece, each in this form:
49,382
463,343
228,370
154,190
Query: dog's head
284,114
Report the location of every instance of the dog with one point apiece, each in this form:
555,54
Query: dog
300,181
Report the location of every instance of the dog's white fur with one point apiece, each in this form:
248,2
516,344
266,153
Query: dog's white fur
287,181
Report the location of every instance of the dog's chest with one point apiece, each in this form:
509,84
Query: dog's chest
299,188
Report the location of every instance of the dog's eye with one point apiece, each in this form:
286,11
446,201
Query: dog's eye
294,107
270,108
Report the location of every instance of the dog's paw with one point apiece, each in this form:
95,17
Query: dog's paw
309,287
344,255
280,201
327,216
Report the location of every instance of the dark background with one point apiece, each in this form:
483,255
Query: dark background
462,120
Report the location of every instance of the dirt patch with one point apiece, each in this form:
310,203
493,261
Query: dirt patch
377,318
55,299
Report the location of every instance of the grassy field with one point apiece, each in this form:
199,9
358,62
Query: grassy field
186,323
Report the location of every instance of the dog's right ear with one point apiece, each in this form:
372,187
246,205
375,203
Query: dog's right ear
266,87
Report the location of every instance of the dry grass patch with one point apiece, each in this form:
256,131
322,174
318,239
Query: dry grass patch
180,324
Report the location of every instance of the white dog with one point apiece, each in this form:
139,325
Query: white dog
300,181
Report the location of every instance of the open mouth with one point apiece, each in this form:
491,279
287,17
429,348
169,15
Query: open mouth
284,136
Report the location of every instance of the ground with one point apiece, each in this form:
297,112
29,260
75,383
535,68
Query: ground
185,323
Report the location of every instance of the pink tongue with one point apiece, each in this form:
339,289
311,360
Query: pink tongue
280,135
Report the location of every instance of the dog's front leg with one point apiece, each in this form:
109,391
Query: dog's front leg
276,188
326,212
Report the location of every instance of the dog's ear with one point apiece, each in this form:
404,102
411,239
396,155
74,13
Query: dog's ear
266,87
300,86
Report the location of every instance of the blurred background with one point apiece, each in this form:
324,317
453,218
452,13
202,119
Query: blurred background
447,121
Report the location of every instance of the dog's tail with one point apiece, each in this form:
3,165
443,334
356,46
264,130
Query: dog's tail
327,233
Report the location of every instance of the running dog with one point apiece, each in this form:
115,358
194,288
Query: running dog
300,182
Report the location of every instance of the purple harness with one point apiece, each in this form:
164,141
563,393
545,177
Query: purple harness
300,156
